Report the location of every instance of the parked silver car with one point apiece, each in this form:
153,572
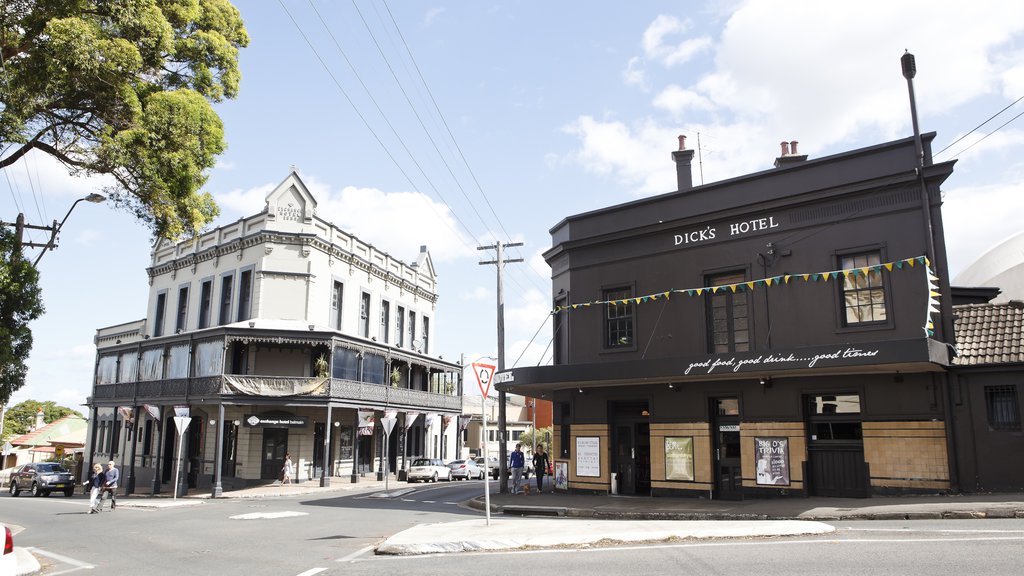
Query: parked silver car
491,465
466,470
41,478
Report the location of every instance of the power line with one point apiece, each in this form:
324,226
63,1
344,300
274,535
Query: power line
1008,106
990,133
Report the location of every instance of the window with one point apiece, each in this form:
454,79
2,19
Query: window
835,404
385,321
336,299
182,319
205,299
560,342
863,294
618,319
400,327
426,335
245,295
729,315
158,320
412,330
364,316
1003,410
226,286
516,435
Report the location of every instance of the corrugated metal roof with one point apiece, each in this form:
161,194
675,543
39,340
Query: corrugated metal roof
989,334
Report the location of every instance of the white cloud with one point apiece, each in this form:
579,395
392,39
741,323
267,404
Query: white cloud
654,41
634,73
677,100
431,15
971,225
477,294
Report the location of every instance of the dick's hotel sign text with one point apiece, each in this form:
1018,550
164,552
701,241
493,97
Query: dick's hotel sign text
730,230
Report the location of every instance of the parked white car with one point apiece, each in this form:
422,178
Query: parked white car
466,469
491,465
429,470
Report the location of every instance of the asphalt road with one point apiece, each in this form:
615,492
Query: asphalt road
309,535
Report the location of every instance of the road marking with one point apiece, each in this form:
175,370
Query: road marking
429,502
311,571
267,515
934,531
355,554
78,564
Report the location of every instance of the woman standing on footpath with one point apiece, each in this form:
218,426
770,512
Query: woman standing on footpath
540,467
286,470
95,484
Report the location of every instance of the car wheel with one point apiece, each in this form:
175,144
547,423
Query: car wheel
14,488
434,478
69,492
449,476
35,489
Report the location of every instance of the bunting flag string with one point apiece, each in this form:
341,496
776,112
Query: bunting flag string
749,285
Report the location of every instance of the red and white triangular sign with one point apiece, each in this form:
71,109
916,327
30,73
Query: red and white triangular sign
484,373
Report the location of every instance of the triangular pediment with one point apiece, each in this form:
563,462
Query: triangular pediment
290,203
425,264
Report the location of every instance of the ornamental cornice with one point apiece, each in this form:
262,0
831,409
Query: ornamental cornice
306,242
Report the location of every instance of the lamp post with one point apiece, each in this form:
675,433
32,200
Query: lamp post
55,229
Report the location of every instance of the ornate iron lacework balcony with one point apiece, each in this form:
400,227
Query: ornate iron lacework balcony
238,387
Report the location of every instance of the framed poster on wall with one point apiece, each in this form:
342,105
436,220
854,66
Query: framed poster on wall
588,456
771,456
679,458
561,475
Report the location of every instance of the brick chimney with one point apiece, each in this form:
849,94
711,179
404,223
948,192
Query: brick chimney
789,154
683,158
40,421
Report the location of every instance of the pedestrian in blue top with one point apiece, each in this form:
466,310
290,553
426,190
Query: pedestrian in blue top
516,461
110,485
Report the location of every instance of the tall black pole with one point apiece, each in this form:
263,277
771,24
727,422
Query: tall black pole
909,66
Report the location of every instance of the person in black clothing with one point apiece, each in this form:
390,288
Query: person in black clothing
95,484
540,466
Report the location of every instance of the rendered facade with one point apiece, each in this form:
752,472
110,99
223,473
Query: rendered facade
279,333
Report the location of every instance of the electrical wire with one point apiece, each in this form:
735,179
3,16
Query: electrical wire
973,130
990,133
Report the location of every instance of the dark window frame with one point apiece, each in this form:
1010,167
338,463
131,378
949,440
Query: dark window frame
337,304
365,304
246,285
727,301
1002,407
618,321
159,313
181,318
205,302
227,298
843,282
385,321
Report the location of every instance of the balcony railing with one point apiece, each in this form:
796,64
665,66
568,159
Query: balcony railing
215,387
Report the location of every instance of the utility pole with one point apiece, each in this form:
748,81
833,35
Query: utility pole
19,233
500,262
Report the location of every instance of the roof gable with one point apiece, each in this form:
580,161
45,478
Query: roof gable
61,427
290,205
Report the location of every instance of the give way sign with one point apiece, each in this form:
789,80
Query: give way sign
484,373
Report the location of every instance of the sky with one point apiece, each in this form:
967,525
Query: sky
456,125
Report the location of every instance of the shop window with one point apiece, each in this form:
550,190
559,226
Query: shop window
1003,409
836,431
728,315
618,318
863,294
835,404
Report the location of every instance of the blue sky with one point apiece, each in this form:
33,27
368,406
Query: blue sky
556,108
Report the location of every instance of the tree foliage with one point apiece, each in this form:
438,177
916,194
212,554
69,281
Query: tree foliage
21,417
543,438
20,303
123,88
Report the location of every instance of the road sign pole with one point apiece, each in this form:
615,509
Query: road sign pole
487,462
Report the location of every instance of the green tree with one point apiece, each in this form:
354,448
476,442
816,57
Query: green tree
543,438
123,88
20,303
21,417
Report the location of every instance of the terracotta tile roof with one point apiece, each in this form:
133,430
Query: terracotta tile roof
989,334
60,427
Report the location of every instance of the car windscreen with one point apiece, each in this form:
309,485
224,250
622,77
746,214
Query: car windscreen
50,468
421,462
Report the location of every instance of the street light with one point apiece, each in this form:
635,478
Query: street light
94,198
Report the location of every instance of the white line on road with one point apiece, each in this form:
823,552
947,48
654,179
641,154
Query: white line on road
78,564
932,531
267,515
355,554
311,571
